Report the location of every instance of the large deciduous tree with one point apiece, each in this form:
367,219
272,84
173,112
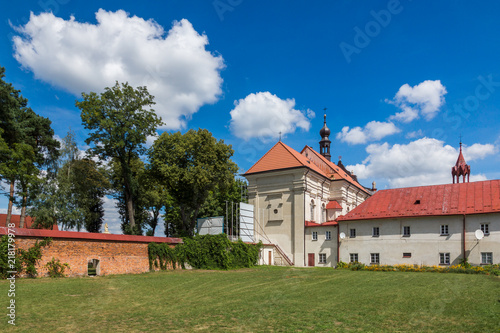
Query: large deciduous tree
30,145
191,166
119,125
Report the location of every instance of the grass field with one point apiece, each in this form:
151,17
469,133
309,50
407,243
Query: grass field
262,299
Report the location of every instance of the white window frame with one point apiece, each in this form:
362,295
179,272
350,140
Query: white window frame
375,231
328,235
352,233
444,230
353,256
485,228
374,258
313,207
314,235
444,258
406,231
486,258
322,258
323,213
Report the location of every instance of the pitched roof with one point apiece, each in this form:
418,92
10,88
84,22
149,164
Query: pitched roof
281,156
333,205
449,199
16,219
330,168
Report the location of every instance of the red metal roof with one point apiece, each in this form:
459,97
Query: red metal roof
449,199
88,235
333,205
325,224
16,218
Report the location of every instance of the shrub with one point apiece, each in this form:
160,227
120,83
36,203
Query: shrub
206,252
25,260
56,268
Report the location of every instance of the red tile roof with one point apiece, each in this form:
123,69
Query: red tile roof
331,169
16,218
325,224
89,235
333,205
281,156
450,199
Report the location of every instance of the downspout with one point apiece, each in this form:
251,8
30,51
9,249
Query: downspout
325,212
338,242
463,239
304,224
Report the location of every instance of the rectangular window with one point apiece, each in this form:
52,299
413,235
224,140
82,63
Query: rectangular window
444,230
315,235
487,258
374,258
352,233
353,257
328,235
376,232
406,231
322,258
485,228
406,255
444,258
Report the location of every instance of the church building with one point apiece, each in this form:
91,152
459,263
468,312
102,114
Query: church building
310,211
297,198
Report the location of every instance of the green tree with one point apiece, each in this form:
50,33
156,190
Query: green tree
190,166
119,125
29,145
74,198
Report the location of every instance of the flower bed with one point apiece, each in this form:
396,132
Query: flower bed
465,269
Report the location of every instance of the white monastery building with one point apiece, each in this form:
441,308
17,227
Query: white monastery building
310,211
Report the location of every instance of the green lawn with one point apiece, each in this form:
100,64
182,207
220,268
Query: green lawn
263,299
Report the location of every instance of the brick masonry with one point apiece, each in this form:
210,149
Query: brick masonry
117,254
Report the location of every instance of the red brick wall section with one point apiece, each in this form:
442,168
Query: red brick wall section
114,257
117,254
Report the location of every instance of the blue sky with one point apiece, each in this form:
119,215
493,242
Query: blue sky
401,80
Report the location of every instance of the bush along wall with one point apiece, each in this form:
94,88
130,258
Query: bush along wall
25,260
204,252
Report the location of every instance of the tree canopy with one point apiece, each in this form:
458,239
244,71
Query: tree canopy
119,126
191,166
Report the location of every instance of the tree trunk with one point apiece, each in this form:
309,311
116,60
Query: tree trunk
130,208
23,213
11,199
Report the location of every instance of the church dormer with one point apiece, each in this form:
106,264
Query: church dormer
324,144
460,168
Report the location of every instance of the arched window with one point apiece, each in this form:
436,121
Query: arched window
323,214
312,210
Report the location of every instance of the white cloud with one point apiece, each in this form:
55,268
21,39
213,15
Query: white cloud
374,130
425,161
478,151
84,57
423,99
264,115
415,134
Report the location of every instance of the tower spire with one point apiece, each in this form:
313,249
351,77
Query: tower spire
324,144
461,168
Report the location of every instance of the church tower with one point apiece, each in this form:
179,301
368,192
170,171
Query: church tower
324,144
460,168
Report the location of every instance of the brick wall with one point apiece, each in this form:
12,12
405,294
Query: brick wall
117,254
